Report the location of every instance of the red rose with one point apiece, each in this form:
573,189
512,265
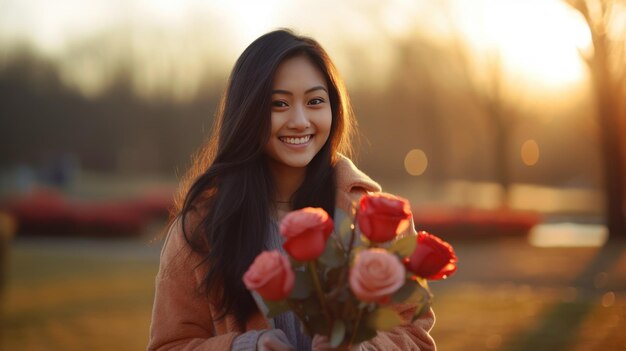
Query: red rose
432,259
270,275
381,216
305,232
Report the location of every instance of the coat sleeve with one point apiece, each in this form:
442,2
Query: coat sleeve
409,336
181,316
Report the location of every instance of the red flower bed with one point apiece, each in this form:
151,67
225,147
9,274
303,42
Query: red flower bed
50,212
475,223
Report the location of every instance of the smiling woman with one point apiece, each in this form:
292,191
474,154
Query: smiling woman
283,123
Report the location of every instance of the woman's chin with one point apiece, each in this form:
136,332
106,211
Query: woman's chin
301,161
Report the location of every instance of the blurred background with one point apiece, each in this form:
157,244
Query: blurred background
503,123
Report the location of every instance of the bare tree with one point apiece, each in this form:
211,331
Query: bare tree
607,65
486,82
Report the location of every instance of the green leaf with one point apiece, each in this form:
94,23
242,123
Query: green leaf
423,299
338,333
331,276
303,286
343,227
358,249
365,242
333,256
364,333
295,264
405,293
276,307
422,282
384,319
421,310
404,246
423,295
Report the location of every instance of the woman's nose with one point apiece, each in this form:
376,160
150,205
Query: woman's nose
299,119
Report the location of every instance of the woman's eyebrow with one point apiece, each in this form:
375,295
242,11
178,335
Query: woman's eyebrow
287,92
319,87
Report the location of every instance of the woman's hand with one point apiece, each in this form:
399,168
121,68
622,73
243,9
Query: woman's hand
321,343
273,340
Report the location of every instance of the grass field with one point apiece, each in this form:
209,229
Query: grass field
77,298
97,295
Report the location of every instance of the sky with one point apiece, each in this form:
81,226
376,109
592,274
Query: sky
170,42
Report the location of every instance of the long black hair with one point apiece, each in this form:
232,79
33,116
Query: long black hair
230,185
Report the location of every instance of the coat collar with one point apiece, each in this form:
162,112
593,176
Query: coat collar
349,178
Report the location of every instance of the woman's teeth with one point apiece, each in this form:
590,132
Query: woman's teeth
296,141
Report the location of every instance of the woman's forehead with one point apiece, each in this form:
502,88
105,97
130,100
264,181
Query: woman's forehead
298,74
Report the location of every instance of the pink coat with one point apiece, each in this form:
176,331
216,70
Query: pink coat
183,317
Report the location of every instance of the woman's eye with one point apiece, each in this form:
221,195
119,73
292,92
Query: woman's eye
316,101
279,103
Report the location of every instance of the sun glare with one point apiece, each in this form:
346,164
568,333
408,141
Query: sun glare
249,18
162,10
538,40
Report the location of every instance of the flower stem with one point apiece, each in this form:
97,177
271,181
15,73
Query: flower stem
295,308
352,233
344,272
356,326
320,293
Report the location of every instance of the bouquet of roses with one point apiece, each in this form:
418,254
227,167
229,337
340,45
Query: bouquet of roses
345,288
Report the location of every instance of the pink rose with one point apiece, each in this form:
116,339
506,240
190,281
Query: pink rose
305,232
375,275
381,216
432,259
270,275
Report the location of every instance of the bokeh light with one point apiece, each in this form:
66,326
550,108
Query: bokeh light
416,162
608,299
530,152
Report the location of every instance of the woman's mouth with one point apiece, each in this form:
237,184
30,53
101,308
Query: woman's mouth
296,140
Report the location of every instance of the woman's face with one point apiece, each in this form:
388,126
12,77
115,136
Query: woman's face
301,113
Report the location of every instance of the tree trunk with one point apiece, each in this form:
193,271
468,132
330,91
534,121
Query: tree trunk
502,126
613,161
607,99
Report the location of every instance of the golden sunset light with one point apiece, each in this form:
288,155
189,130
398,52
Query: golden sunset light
150,149
537,40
